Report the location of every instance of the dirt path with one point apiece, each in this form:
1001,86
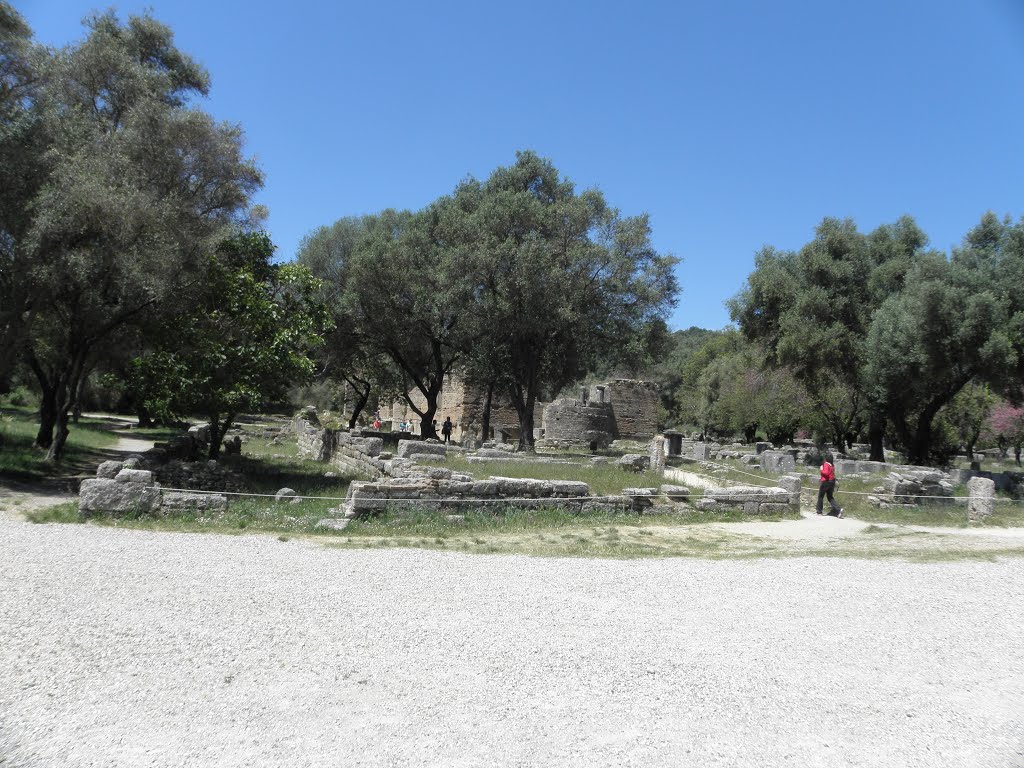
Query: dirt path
18,498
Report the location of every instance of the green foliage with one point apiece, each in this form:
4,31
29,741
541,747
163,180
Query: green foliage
119,189
741,394
951,324
244,338
879,329
562,283
676,373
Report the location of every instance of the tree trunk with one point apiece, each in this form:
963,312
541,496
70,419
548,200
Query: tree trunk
47,418
47,402
67,393
920,445
217,431
142,413
427,429
362,390
876,435
60,437
486,426
524,409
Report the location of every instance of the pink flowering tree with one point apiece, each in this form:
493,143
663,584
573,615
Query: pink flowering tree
1005,426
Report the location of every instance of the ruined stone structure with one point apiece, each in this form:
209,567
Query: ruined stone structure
119,489
619,409
463,403
574,423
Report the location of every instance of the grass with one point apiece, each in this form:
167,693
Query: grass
20,461
852,494
549,532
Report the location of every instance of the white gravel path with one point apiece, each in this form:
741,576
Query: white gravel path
130,648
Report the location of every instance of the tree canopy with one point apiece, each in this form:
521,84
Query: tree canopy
121,190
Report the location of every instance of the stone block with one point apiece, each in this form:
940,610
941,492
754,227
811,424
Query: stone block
846,467
109,469
134,476
701,451
520,487
569,488
981,499
792,485
777,462
634,462
495,453
105,496
741,494
676,492
871,467
454,488
409,448
485,488
761,447
195,502
286,494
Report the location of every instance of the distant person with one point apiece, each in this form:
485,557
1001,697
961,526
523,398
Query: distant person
376,423
827,486
446,429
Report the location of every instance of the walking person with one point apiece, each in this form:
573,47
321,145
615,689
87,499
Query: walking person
446,429
827,486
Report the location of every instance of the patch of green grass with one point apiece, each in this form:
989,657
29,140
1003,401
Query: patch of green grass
157,434
19,460
59,513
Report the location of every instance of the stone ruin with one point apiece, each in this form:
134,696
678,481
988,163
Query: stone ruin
613,410
121,489
621,409
413,478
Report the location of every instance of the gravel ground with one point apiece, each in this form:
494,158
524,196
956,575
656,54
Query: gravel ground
130,648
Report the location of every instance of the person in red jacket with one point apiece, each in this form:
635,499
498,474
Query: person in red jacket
827,486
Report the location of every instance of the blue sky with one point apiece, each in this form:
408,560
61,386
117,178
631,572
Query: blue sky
735,123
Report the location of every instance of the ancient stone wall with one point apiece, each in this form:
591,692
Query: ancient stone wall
357,455
464,404
314,441
441,489
352,454
635,405
751,499
570,422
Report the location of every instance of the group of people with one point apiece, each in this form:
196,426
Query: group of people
407,426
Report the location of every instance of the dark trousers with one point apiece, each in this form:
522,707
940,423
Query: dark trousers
825,489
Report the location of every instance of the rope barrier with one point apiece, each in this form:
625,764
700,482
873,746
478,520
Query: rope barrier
502,500
813,492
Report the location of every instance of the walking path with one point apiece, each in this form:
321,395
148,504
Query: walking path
18,498
128,648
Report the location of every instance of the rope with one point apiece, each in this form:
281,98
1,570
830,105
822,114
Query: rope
813,493
502,500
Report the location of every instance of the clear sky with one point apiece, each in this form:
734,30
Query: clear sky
734,123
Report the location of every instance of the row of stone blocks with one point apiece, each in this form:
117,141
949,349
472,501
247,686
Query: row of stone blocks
119,488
